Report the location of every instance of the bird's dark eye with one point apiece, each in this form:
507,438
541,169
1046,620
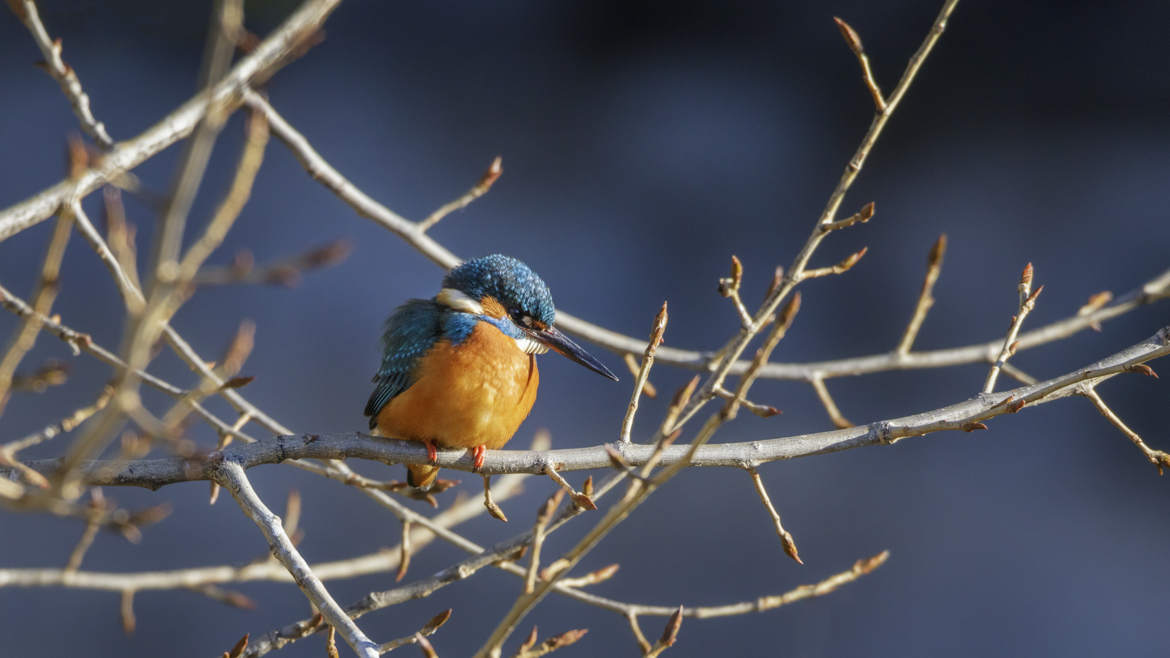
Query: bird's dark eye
525,320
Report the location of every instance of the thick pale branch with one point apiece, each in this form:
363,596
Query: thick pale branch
153,473
231,477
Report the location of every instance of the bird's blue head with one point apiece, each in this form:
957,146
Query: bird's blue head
506,282
508,294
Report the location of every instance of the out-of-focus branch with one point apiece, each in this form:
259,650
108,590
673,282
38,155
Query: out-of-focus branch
259,65
43,298
286,272
64,74
196,577
854,42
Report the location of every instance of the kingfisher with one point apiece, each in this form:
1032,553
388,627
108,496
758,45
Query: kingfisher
459,369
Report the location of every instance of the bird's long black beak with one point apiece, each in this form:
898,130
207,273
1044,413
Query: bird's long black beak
565,346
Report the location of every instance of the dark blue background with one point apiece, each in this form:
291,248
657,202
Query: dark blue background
643,144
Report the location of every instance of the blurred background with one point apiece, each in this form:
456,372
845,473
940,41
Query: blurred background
644,143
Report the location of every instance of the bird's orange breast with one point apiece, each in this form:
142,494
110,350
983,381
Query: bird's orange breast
475,393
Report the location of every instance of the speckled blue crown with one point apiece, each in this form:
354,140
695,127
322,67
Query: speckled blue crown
510,281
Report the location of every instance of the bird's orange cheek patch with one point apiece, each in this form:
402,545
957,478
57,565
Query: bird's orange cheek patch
492,307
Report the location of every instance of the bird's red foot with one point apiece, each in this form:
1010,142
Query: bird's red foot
477,454
432,451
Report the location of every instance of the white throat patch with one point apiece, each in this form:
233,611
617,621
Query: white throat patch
531,345
452,298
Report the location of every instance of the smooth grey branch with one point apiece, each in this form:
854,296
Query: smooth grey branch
232,477
155,473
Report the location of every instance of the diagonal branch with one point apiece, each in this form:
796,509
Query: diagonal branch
64,74
231,477
268,57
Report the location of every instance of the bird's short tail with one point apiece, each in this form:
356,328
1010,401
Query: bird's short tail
421,476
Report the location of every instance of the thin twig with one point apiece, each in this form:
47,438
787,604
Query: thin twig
481,187
1010,344
1158,458
925,300
83,544
580,499
489,502
538,533
783,323
854,41
62,72
551,644
729,288
427,630
785,536
840,268
656,333
251,156
43,298
835,415
860,217
285,272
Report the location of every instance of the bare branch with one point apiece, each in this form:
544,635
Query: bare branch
62,73
231,476
260,64
538,534
644,372
427,630
830,406
785,536
925,299
153,473
494,170
840,268
286,272
1158,458
43,298
860,217
854,41
1027,303
320,170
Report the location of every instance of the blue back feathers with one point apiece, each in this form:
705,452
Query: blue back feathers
510,281
417,325
411,330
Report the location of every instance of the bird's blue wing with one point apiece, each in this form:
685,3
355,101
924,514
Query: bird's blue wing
411,330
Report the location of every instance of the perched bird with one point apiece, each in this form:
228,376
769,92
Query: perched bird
459,370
